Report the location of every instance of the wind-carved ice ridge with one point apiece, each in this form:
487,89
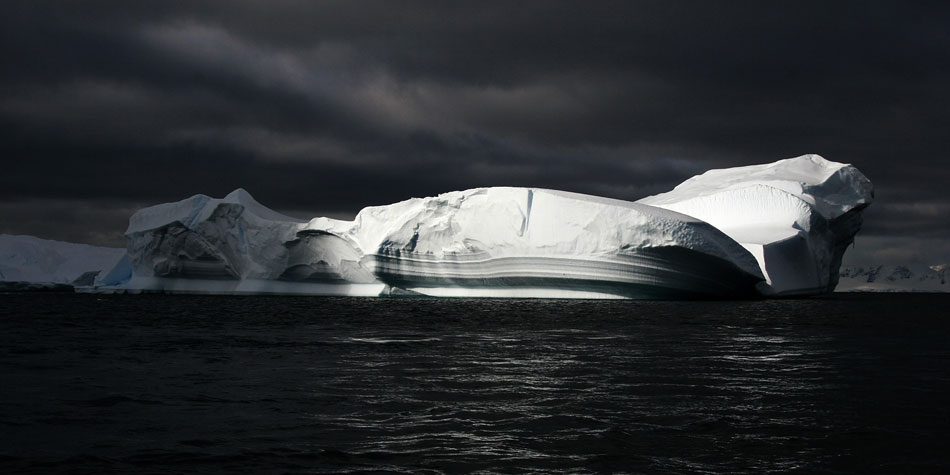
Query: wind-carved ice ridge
777,229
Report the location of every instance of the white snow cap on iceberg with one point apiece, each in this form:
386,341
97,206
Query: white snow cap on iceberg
199,208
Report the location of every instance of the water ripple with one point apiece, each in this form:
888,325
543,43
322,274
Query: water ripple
302,385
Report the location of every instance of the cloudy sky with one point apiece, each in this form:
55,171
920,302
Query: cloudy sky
321,108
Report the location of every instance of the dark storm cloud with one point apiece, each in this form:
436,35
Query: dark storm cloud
325,107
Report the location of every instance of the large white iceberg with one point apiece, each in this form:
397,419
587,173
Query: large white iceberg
769,229
30,262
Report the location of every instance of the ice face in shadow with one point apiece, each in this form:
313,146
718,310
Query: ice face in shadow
773,229
236,245
796,216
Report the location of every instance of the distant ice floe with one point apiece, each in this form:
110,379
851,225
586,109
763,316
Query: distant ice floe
777,229
31,263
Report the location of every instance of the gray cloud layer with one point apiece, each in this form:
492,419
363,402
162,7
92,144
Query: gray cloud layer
325,107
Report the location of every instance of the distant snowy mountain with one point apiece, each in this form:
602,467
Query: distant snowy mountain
894,278
28,262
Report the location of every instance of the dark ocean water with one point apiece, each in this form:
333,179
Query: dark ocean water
187,384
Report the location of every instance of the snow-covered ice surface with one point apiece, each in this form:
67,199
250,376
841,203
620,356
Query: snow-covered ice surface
31,262
894,278
796,216
777,229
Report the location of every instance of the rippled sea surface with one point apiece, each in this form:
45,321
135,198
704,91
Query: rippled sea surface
188,384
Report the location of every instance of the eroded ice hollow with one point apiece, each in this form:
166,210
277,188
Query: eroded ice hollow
484,242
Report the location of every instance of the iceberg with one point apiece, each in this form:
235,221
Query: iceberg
773,230
28,262
796,216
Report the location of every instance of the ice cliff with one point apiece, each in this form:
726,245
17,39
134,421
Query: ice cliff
28,262
775,229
